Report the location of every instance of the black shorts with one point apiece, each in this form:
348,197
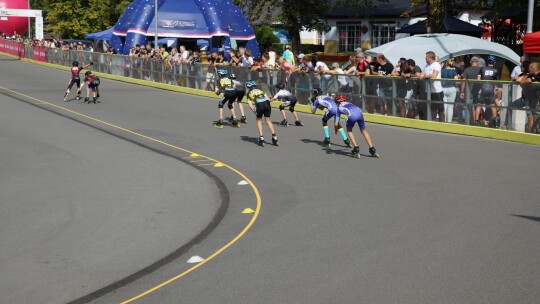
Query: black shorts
437,106
228,96
486,97
240,95
263,108
74,81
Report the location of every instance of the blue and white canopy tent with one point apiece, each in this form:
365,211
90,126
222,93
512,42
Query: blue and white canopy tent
221,23
103,35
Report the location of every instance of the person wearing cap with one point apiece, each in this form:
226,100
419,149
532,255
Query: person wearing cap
288,55
470,73
488,91
344,85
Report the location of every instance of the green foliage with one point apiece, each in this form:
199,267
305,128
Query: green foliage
74,19
265,36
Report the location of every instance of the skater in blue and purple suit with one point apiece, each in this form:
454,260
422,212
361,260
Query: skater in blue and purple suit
327,104
354,116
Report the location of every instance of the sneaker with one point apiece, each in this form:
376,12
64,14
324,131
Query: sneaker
373,152
261,141
348,143
298,123
284,123
326,142
243,120
219,124
275,141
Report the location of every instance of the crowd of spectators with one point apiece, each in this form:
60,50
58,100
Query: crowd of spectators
412,83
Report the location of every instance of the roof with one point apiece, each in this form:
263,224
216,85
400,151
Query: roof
450,25
389,8
444,46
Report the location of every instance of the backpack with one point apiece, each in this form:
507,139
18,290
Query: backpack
95,81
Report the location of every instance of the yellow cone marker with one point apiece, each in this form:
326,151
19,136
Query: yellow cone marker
248,210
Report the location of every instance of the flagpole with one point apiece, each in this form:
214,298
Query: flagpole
156,24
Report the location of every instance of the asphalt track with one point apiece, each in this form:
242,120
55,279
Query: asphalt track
99,204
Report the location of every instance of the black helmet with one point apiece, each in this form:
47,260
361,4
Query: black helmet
280,86
87,73
316,91
75,63
232,76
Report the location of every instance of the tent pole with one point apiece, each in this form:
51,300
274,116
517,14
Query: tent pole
530,16
156,24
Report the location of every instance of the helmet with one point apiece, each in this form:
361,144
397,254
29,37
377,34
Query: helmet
341,98
87,73
251,84
222,72
75,63
280,86
316,91
492,59
232,76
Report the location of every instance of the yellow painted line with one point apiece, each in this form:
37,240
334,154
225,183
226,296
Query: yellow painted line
244,177
198,160
209,164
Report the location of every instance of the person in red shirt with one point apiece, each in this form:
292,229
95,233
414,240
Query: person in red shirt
93,85
75,79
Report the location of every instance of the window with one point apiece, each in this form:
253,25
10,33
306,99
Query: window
349,37
382,33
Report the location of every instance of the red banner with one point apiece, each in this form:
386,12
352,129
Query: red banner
39,53
12,48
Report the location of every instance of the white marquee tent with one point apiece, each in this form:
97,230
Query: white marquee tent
444,46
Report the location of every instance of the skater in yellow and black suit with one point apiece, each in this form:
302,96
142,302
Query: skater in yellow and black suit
226,86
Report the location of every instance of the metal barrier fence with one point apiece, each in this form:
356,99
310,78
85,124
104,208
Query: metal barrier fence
393,96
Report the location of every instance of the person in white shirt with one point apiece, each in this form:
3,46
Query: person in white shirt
433,71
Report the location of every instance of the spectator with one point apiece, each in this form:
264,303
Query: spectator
489,92
471,73
517,69
343,81
320,67
234,60
288,55
384,68
433,71
529,96
449,88
411,72
401,91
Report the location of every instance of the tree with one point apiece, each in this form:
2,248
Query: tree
265,37
294,15
75,19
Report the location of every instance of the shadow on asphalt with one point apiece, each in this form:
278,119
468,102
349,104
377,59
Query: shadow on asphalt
333,151
532,218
